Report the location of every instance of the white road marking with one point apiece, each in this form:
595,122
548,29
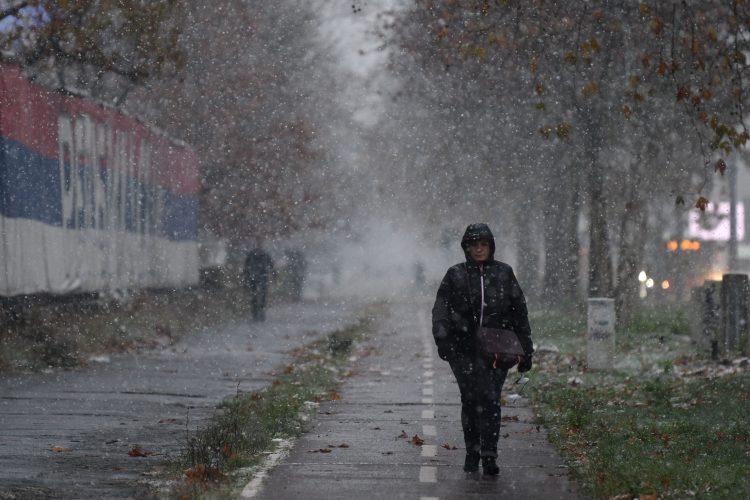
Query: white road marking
252,488
429,450
428,474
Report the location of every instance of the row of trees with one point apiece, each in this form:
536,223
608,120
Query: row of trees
546,111
538,114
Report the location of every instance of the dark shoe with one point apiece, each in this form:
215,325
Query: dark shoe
471,463
489,466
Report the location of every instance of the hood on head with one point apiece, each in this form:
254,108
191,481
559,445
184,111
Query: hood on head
479,231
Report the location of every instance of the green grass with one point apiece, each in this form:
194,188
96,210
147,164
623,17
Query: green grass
660,325
245,426
666,436
671,319
565,330
642,429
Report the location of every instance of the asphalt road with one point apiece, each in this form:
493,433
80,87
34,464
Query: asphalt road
68,433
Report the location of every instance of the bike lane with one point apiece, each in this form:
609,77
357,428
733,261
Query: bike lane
367,444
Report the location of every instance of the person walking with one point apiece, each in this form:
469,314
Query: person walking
257,273
296,268
481,289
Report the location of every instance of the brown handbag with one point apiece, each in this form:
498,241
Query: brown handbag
500,344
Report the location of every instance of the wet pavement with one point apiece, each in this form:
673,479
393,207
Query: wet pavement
68,434
362,445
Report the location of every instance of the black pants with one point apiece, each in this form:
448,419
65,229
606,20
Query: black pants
480,387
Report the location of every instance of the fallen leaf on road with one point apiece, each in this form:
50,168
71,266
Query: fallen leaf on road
59,449
403,435
507,418
137,452
321,450
448,446
334,396
343,445
506,435
416,440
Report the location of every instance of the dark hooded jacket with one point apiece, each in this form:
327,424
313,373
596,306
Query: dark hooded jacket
455,315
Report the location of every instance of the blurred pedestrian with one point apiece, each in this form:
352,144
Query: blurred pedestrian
419,275
256,277
479,291
296,268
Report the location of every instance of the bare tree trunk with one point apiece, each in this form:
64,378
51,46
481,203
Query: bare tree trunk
561,246
571,246
600,265
527,266
633,239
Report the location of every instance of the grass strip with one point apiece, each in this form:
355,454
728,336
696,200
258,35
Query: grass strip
647,432
245,426
69,334
668,437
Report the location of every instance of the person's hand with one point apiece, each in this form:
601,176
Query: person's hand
525,364
445,350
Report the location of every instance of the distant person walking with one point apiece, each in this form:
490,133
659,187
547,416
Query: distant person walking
478,291
257,274
296,268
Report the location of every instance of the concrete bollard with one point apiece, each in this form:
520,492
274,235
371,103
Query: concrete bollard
735,293
708,340
600,342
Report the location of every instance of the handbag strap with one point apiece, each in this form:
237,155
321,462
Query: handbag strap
481,288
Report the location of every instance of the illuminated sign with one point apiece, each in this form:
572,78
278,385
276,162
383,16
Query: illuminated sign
685,245
713,224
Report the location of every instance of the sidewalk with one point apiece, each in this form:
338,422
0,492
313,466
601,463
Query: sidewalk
68,434
403,390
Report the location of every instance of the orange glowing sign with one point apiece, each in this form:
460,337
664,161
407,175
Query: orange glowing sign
685,245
